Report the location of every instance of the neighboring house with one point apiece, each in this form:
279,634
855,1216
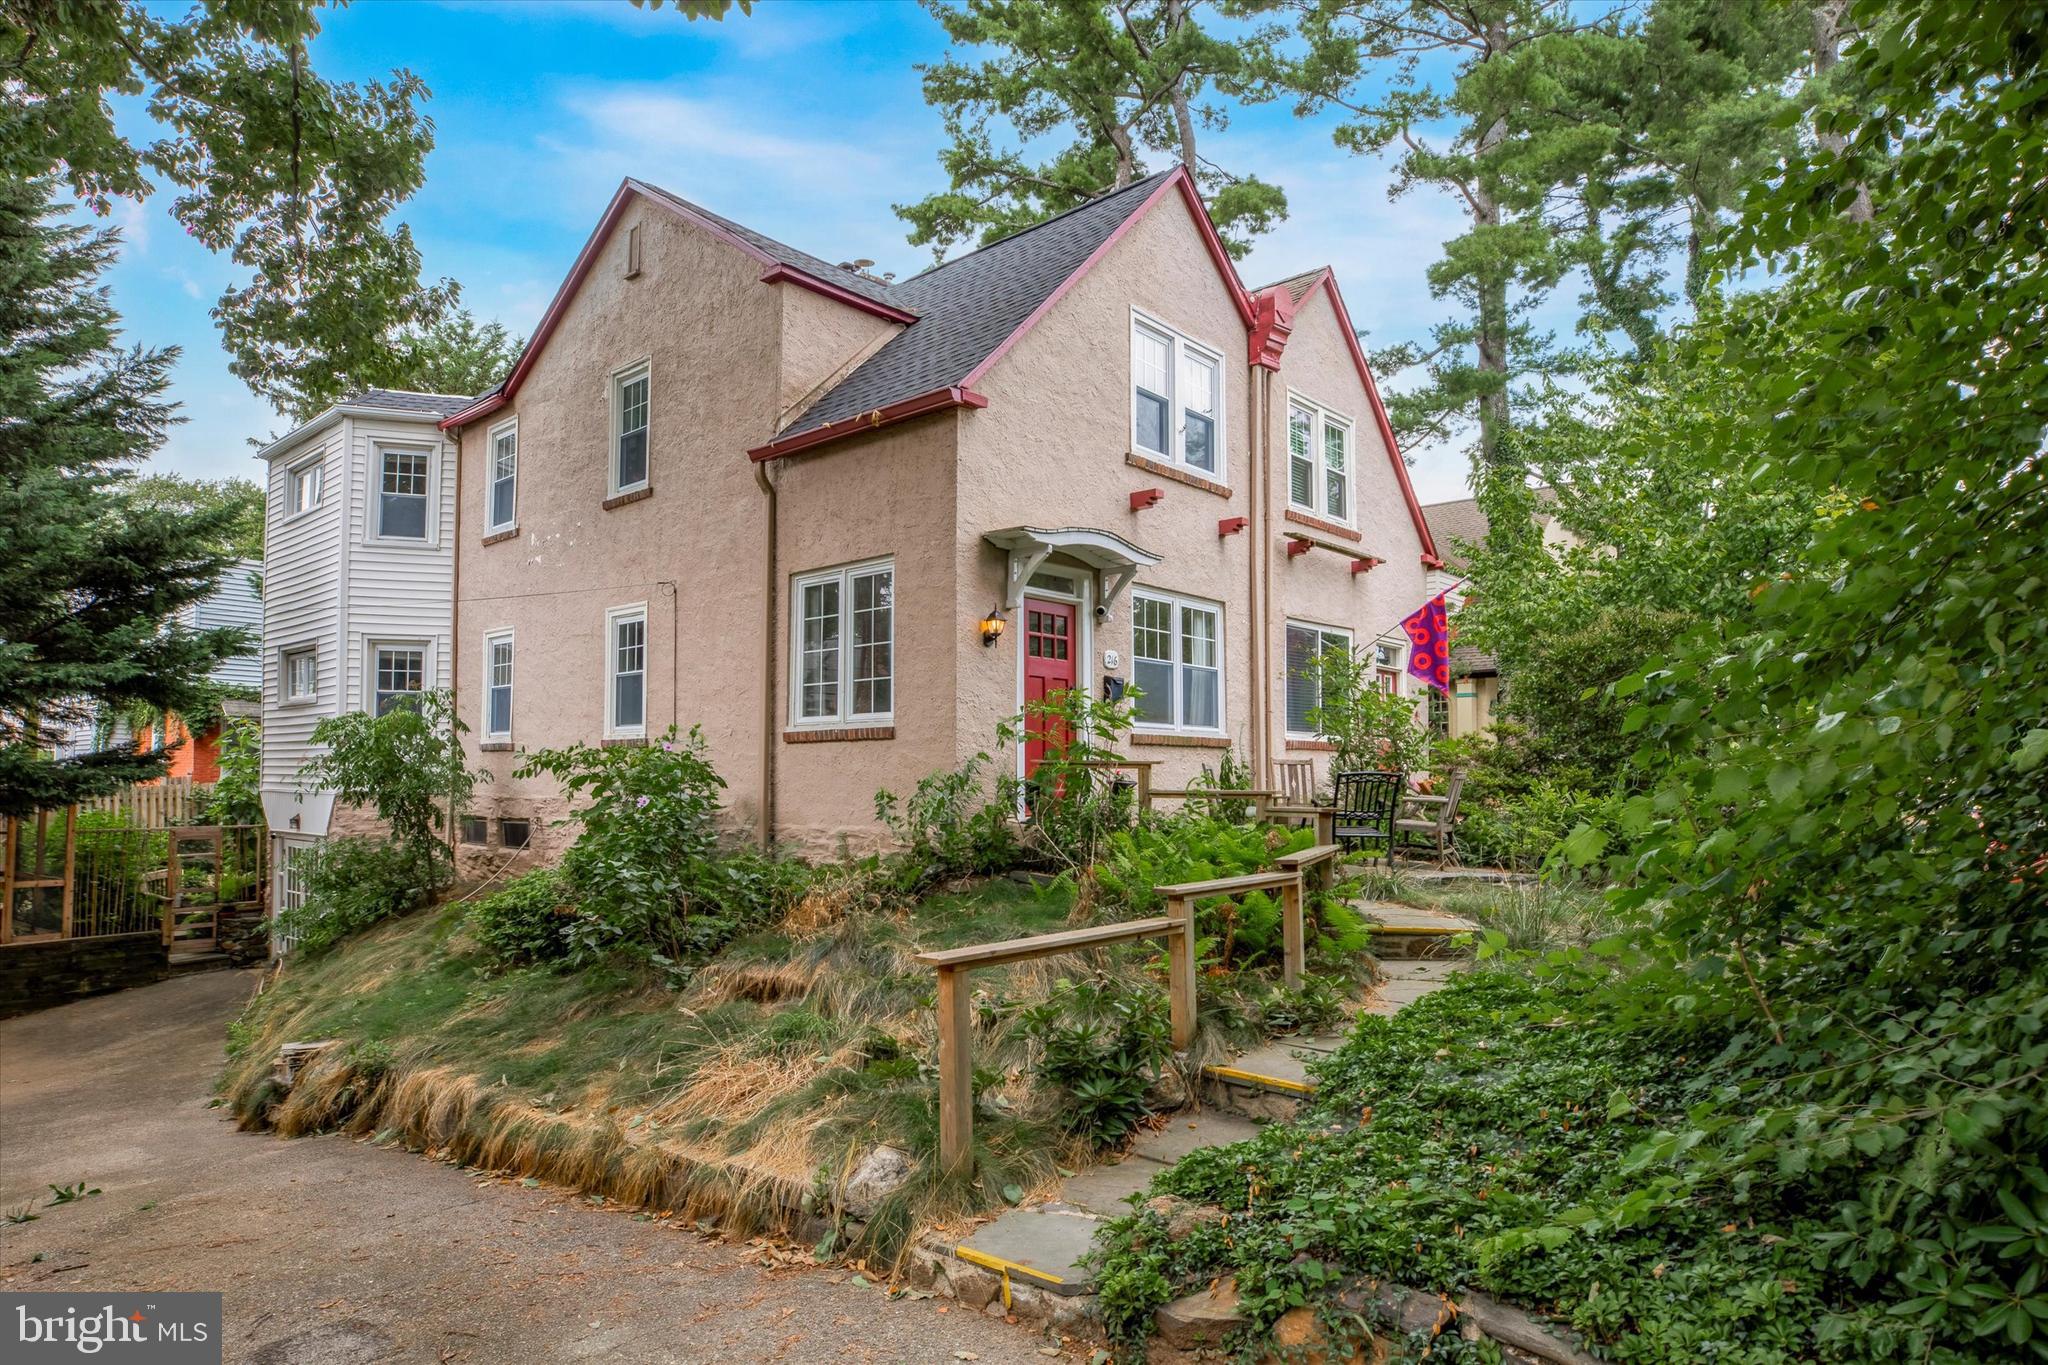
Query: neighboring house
236,601
1475,674
730,484
358,590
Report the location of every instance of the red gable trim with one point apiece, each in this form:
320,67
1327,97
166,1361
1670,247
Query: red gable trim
1328,281
1183,182
938,400
789,274
587,258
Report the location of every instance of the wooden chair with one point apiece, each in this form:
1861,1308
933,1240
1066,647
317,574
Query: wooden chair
1365,809
1437,821
1295,779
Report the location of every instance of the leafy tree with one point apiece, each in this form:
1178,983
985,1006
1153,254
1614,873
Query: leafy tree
95,573
1371,727
1117,81
294,176
242,499
457,355
408,766
237,797
1843,853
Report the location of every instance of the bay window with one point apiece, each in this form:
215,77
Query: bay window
402,494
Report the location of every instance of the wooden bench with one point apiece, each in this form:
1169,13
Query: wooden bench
956,1028
1181,898
1260,797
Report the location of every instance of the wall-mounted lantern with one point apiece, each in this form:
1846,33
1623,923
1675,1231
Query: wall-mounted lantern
992,626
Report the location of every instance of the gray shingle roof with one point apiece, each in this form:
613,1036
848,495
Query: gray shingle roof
970,305
1296,285
1452,522
403,400
875,290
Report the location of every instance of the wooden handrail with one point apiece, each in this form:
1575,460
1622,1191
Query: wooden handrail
1228,886
1045,945
1322,857
956,1024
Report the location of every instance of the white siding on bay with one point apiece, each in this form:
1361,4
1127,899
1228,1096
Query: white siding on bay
398,592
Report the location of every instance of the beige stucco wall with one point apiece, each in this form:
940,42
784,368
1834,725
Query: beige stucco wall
1319,587
692,552
1050,451
885,495
821,341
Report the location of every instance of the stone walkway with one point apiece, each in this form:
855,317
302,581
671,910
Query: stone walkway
1041,1246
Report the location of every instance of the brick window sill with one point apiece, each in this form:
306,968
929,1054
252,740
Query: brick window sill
622,499
1178,475
631,742
1332,528
1314,746
495,746
498,537
1181,741
839,734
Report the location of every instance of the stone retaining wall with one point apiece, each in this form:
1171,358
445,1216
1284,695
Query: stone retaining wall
35,976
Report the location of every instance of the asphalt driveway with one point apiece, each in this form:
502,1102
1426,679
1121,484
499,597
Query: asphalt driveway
333,1252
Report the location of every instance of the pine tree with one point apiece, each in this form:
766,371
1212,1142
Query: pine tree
94,572
1121,80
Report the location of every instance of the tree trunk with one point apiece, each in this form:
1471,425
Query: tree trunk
1827,55
1492,338
1126,163
1183,121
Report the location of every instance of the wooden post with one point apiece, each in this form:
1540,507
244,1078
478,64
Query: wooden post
1326,825
1145,789
7,879
1292,959
1180,973
1259,804
70,862
956,1075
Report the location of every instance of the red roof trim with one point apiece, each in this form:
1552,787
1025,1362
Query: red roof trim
1181,180
938,400
803,279
1328,280
587,258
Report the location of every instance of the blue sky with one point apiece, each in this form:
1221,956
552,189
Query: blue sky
805,121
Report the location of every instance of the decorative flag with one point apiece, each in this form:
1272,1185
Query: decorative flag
1429,644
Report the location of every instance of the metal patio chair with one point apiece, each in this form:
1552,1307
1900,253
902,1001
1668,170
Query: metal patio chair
1365,807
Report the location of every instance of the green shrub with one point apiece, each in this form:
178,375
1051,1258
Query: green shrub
1521,831
526,922
1075,805
952,826
352,884
1101,1044
408,766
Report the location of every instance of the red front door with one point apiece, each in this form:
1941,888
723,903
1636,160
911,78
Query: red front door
1049,645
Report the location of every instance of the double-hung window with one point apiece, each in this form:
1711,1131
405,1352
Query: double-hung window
402,494
625,645
630,396
844,654
1307,646
301,669
1318,460
503,512
1177,662
1176,399
400,675
498,685
304,486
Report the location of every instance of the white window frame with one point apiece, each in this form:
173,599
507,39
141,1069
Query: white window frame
372,648
429,522
491,643
639,369
636,611
316,466
1322,419
498,433
844,714
1398,645
1326,635
1178,343
1181,603
284,674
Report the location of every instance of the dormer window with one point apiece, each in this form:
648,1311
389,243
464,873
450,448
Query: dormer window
1176,398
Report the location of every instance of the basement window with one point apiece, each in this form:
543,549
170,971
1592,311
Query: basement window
475,830
515,833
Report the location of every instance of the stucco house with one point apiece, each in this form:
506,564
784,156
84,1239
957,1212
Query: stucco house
358,592
729,483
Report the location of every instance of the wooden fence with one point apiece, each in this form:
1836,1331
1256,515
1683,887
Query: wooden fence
66,874
173,801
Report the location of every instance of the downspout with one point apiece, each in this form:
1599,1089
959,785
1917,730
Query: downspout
454,631
1265,550
768,674
1261,770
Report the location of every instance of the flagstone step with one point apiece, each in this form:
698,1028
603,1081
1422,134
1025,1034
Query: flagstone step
1410,931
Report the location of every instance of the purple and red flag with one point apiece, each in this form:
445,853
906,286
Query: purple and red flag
1429,644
